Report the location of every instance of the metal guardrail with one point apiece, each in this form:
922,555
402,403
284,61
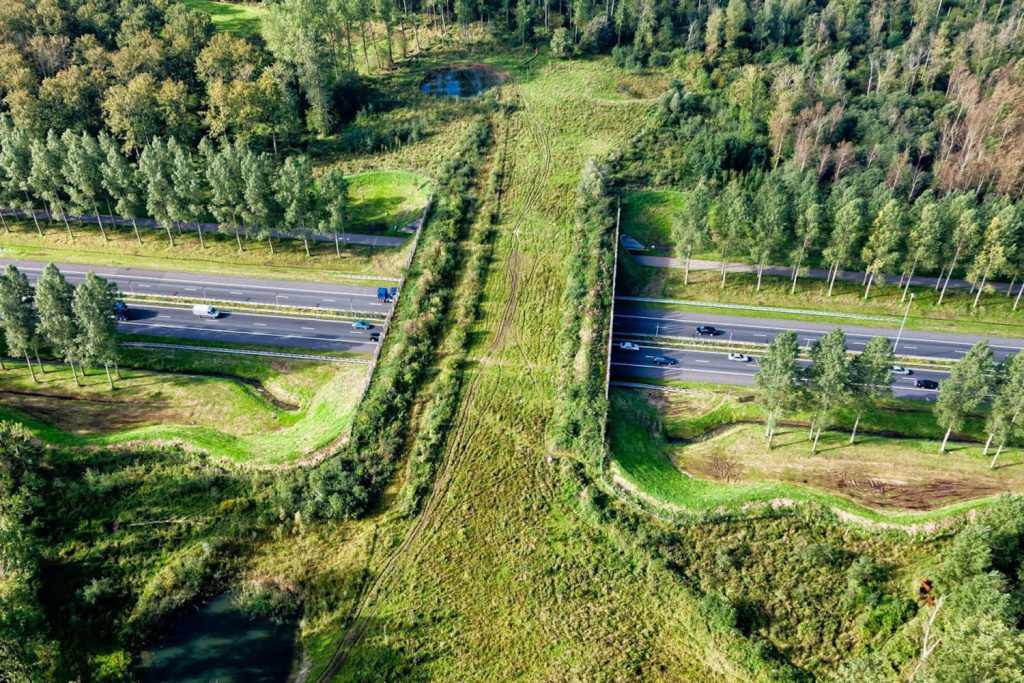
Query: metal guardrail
247,352
768,309
231,306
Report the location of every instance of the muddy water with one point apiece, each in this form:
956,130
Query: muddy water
464,82
218,643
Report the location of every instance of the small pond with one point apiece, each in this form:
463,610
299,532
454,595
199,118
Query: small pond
460,82
218,643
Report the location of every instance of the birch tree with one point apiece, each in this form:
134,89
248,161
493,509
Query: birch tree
93,307
776,378
872,377
1003,421
58,327
690,229
830,379
16,315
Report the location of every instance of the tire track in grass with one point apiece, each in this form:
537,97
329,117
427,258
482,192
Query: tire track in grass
465,431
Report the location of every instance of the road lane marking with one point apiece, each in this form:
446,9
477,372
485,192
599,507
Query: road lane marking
701,361
309,328
260,324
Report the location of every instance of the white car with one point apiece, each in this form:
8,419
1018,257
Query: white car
739,357
629,346
900,370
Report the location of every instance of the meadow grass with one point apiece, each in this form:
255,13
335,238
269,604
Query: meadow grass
298,408
387,200
648,215
880,478
220,255
240,19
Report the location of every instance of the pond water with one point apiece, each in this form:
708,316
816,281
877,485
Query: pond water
464,82
218,643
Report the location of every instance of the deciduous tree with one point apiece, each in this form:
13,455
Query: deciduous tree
967,386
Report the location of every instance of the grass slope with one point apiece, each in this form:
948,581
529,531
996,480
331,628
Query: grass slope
242,20
387,200
313,405
896,480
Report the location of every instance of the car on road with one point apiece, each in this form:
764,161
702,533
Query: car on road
205,311
663,360
900,370
739,357
629,346
392,294
706,331
382,294
926,384
375,336
362,325
121,311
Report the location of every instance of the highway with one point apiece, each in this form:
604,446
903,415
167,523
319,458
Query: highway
243,328
223,288
716,368
739,329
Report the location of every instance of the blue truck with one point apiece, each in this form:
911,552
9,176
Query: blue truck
382,294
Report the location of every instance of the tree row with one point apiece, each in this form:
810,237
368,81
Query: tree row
836,380
76,324
245,192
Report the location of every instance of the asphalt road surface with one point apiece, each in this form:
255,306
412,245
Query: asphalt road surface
716,368
243,328
913,343
222,287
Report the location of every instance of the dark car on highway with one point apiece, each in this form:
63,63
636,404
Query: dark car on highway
926,384
121,311
706,331
663,360
375,336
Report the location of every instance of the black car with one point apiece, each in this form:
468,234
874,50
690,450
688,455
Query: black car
663,360
706,331
375,336
121,310
926,384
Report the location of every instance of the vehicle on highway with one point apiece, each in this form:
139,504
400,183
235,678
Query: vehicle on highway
362,325
205,311
121,311
663,360
739,357
900,370
382,294
629,346
706,331
375,336
393,293
926,384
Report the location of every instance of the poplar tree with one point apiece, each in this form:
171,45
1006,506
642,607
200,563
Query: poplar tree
82,172
809,227
57,325
847,231
964,242
1003,421
997,247
924,243
16,315
121,181
47,176
294,182
732,221
227,189
872,377
333,197
155,170
16,161
690,229
882,249
770,219
776,378
187,190
830,379
258,173
93,307
968,384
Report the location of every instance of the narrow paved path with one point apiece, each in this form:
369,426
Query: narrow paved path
786,271
367,240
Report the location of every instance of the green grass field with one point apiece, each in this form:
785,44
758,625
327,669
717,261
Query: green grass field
880,478
386,201
647,216
242,20
288,410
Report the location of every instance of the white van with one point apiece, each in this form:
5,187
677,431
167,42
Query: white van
205,311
